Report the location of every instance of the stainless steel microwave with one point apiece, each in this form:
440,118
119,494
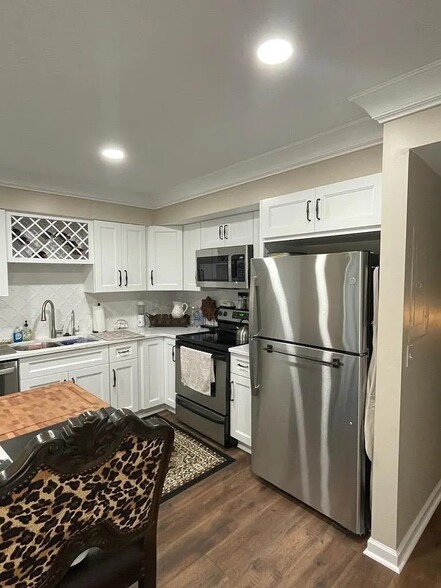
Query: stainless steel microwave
224,267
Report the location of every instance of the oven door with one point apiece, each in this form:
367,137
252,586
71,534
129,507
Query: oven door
219,398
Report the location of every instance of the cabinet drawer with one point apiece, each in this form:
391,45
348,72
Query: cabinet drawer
240,366
123,351
38,366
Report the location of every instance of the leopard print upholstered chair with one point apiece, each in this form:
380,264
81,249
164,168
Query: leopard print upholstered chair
94,484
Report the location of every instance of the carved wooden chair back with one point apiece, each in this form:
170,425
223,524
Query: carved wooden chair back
96,482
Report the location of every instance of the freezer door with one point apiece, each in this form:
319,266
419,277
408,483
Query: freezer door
316,300
307,409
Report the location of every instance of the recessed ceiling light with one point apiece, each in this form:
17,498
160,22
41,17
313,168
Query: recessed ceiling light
113,153
274,51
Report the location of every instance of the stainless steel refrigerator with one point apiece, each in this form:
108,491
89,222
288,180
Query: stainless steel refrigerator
309,358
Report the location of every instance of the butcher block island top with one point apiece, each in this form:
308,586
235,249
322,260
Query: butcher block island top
39,408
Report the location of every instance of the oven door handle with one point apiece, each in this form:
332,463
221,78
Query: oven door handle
6,371
214,357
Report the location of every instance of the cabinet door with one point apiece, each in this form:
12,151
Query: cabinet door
164,254
93,379
212,233
227,231
3,259
107,267
124,384
238,229
240,407
29,383
257,243
133,258
191,243
169,372
288,215
349,205
151,373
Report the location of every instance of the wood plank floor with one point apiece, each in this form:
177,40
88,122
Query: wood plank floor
232,530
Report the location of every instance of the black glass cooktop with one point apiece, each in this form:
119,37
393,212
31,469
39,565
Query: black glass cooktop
218,339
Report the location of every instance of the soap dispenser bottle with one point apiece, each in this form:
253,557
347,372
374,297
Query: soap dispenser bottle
26,332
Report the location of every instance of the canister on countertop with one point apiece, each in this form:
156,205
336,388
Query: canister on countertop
141,313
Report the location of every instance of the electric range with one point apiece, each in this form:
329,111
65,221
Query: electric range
210,414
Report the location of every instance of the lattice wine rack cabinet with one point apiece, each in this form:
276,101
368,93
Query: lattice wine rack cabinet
47,239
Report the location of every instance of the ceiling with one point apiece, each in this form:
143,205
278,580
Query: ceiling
178,85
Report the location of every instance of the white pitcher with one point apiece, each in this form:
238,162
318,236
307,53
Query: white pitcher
178,309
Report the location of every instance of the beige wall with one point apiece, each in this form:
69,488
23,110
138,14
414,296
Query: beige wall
345,167
398,476
420,419
54,204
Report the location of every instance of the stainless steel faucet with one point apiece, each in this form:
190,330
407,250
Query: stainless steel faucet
72,320
52,329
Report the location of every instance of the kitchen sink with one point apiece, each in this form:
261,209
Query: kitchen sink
35,345
77,340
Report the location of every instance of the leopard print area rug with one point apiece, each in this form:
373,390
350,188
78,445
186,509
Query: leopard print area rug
192,460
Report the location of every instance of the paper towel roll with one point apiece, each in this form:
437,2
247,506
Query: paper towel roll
98,319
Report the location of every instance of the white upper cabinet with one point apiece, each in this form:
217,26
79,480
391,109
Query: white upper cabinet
119,258
133,252
349,206
228,231
291,214
191,243
3,259
164,258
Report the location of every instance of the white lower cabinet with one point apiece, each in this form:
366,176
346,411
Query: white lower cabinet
124,384
151,363
38,382
94,380
240,401
89,368
157,373
169,373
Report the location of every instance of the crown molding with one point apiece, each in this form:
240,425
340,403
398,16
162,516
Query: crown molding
347,138
414,91
341,140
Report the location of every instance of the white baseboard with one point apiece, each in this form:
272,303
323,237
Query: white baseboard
396,559
383,554
244,447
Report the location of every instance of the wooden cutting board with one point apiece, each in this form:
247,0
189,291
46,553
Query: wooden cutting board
31,410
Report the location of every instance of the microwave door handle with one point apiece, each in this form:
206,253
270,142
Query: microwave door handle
230,269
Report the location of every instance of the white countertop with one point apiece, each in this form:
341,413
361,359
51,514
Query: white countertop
147,333
242,350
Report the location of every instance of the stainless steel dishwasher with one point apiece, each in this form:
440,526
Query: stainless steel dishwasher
9,382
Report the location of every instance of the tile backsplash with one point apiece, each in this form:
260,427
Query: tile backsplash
30,285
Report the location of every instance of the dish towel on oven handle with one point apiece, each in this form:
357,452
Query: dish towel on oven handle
197,370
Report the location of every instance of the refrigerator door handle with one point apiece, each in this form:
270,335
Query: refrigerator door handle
335,363
254,373
254,332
